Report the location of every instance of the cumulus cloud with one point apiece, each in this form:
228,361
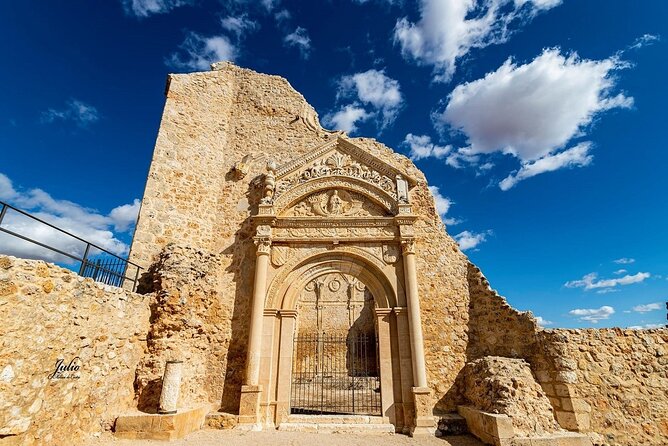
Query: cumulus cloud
624,261
593,315
470,240
88,224
422,147
299,39
577,156
198,52
533,111
449,29
346,118
646,308
145,8
373,93
591,281
374,88
443,205
75,111
543,322
620,271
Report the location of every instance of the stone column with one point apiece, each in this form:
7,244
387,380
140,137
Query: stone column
249,407
385,361
414,317
424,419
171,384
288,319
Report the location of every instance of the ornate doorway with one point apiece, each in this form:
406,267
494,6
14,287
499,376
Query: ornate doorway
335,366
335,311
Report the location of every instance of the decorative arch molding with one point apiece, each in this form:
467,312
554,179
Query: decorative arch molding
370,191
287,284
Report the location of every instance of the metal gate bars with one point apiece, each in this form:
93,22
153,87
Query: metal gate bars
335,374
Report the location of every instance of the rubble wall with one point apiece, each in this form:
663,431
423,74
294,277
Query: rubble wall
610,381
48,313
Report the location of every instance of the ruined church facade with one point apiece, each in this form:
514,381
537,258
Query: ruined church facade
275,245
297,272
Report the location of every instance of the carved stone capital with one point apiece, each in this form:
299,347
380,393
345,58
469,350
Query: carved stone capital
408,246
263,245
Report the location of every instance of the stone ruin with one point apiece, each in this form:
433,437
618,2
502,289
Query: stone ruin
303,276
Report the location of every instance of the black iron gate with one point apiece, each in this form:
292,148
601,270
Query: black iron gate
335,374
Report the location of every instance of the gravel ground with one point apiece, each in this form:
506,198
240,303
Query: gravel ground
210,437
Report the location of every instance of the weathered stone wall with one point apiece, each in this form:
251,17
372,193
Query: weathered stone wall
610,381
49,313
192,321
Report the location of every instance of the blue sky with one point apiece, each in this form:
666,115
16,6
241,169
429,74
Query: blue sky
539,123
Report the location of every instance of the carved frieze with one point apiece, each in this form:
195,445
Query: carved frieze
338,232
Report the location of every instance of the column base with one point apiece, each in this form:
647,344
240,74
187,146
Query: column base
424,423
249,408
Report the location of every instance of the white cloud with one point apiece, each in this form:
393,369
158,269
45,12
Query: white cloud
374,88
469,240
533,111
443,206
79,112
543,322
620,271
145,8
346,118
646,326
422,147
624,261
577,156
590,282
85,223
644,40
239,25
449,29
648,307
593,315
300,39
124,217
198,52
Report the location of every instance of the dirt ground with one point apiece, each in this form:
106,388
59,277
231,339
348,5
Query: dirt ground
210,437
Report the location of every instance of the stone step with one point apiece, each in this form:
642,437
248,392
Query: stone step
338,428
451,424
337,419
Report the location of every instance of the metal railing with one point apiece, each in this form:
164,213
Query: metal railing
96,262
